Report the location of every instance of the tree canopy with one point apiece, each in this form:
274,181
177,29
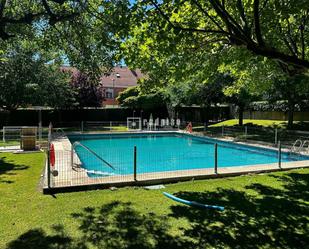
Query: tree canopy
274,29
85,33
255,42
87,92
183,46
30,78
135,97
14,15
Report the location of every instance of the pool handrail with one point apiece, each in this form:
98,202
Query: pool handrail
56,134
91,151
306,142
297,149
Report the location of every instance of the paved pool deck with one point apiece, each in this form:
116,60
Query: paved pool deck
75,178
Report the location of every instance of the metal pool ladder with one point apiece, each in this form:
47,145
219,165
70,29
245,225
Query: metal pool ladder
90,151
58,133
306,142
298,148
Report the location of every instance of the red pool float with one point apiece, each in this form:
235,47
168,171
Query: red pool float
52,157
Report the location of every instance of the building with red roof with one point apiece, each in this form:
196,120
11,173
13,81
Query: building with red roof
117,81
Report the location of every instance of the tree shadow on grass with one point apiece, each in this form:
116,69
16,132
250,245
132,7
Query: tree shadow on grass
7,168
115,225
119,225
39,239
273,218
276,218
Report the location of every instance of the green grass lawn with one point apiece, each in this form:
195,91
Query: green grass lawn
262,211
256,122
118,128
247,122
95,128
298,125
9,143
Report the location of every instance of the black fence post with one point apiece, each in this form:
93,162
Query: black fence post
246,132
279,154
135,159
276,135
216,158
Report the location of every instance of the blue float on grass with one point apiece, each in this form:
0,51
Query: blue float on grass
192,203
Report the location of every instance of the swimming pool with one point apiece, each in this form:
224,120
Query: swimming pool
165,152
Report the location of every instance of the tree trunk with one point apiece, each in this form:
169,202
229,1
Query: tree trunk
170,110
7,117
205,115
291,107
240,115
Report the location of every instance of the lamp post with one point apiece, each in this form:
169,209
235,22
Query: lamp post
39,109
133,123
141,119
113,92
40,124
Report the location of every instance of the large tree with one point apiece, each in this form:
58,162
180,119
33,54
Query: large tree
87,33
84,34
137,98
88,92
31,78
276,29
255,42
292,89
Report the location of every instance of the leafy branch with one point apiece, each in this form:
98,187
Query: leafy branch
45,12
239,32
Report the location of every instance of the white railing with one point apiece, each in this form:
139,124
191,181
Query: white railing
90,151
58,133
300,146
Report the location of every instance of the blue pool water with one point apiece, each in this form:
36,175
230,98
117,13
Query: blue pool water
167,152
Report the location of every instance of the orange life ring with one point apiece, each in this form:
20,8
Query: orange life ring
189,127
52,157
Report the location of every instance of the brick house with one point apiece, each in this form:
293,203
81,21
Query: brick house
119,79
